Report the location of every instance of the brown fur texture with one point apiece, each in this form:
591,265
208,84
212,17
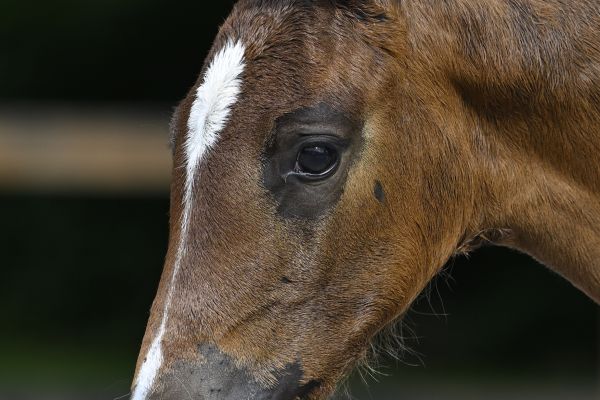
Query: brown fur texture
480,121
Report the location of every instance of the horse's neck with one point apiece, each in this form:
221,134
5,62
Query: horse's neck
529,79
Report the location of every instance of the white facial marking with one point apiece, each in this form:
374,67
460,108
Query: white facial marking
208,116
210,111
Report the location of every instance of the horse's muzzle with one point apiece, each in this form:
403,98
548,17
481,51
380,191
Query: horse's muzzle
217,378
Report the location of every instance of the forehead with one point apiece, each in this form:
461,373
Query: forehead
296,56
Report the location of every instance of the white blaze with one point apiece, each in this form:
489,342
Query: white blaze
209,114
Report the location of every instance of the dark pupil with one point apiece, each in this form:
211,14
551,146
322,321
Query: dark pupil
315,159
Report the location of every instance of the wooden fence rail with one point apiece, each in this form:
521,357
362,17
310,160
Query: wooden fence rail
65,149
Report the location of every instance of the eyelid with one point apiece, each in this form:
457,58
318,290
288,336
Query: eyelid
326,139
312,129
310,178
315,176
319,134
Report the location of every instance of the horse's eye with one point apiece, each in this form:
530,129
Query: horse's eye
316,160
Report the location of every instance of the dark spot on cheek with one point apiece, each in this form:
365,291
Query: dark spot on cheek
379,192
286,280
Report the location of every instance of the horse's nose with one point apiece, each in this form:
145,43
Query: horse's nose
216,377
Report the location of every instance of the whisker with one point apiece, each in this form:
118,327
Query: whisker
122,397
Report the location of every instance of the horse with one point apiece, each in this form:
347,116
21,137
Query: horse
333,155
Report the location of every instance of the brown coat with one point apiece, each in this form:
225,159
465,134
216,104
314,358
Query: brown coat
456,122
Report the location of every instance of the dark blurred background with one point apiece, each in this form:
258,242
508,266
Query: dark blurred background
86,90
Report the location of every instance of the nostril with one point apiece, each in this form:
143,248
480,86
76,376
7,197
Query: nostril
289,387
308,388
